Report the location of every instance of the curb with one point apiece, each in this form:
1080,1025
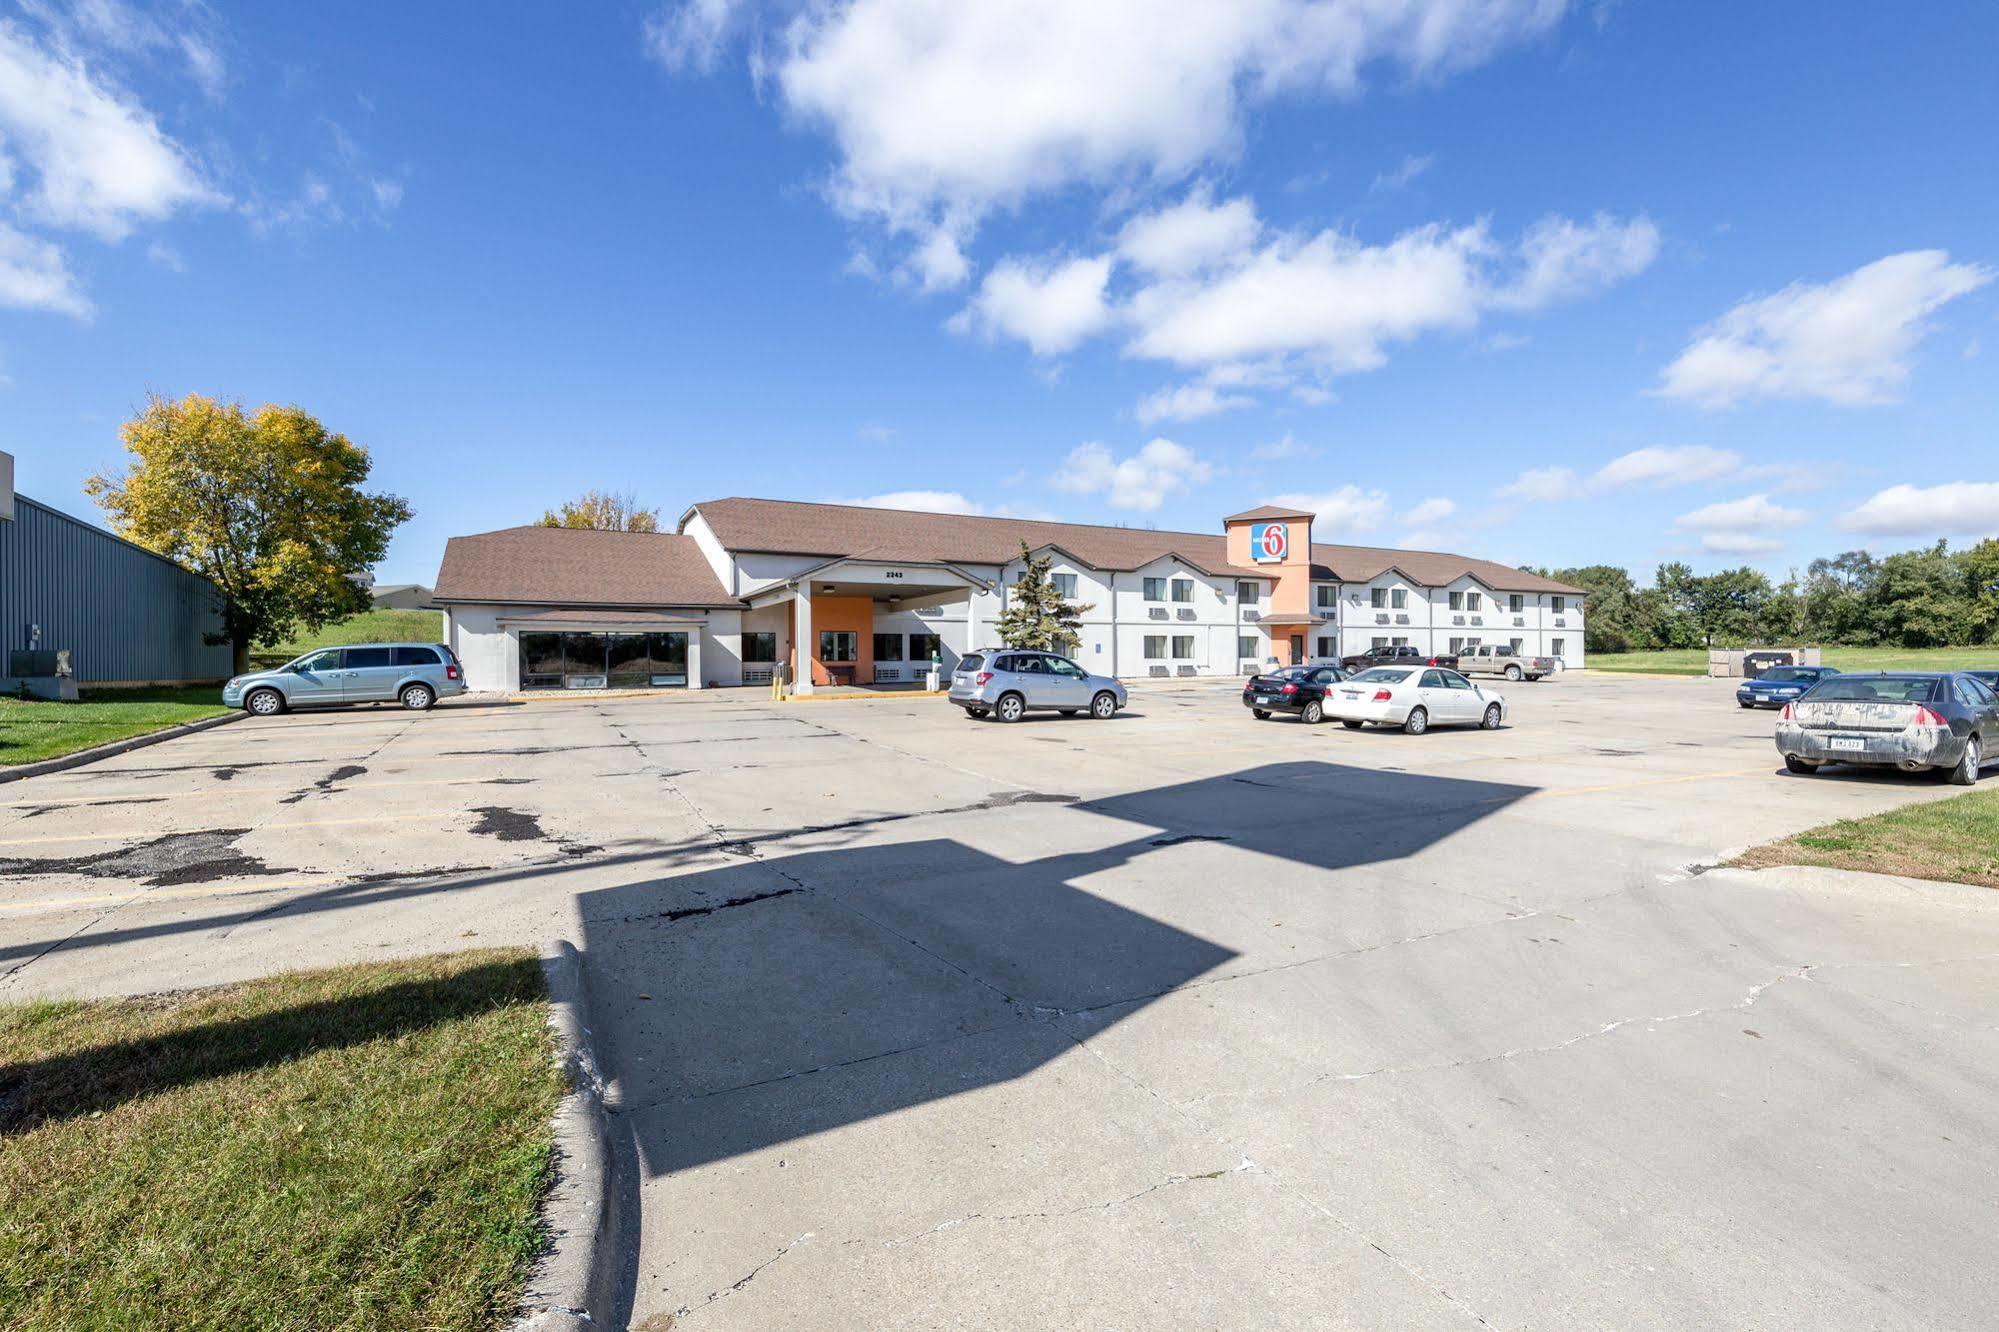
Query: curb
574,1285
117,747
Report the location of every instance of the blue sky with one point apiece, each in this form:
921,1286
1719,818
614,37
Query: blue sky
1553,284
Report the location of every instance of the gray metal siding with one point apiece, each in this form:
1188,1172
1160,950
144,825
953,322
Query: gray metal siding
124,613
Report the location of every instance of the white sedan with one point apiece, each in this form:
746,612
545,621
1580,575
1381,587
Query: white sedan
1414,698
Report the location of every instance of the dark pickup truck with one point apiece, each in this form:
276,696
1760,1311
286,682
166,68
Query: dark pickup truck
1403,655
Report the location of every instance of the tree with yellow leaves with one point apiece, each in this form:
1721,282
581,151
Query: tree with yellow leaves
603,511
269,506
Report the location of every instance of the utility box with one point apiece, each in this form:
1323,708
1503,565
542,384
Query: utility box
1750,663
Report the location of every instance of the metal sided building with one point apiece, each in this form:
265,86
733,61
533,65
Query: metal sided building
126,615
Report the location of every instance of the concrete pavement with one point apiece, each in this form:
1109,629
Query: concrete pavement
1179,1020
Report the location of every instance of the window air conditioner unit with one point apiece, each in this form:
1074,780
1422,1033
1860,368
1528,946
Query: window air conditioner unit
1186,612
1249,614
888,674
1157,612
1519,620
1561,623
1457,619
1478,619
1402,619
1381,617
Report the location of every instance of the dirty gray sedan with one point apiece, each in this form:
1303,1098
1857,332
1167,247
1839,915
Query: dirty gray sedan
1915,721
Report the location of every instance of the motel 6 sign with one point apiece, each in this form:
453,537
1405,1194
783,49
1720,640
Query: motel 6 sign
1269,542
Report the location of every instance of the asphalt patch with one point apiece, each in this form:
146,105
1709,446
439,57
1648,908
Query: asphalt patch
36,811
346,772
508,825
177,858
1178,838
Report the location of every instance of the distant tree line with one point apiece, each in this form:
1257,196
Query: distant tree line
1935,597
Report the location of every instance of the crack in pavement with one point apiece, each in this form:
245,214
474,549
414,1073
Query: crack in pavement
687,1310
1171,1181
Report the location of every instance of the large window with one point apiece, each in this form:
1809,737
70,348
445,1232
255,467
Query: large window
839,646
1065,585
1555,646
1247,593
1377,643
922,647
1155,589
1326,595
1183,647
1183,589
600,661
1155,647
1378,597
1245,647
1399,598
888,647
1473,601
1561,604
1325,648
1457,601
760,647
1515,603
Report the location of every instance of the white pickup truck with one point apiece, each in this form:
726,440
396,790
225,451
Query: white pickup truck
1500,659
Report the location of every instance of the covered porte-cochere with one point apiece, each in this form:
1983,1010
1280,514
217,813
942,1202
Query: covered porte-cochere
867,622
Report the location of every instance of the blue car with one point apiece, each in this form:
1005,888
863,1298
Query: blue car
1780,685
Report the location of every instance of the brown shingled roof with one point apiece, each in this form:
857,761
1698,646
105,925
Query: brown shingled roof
1264,512
851,531
562,566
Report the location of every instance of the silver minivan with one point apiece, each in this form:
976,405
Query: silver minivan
415,675
1008,683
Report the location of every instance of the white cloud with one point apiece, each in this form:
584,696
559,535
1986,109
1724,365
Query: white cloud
953,110
1744,526
1051,306
1427,512
99,162
388,194
1565,259
166,256
921,501
1740,543
939,262
1141,481
1745,514
1543,483
1337,514
1845,342
33,276
1656,466
1280,450
1189,235
1674,466
1958,508
1188,402
1410,168
690,35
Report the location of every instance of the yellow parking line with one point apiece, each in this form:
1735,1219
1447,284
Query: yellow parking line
229,789
431,815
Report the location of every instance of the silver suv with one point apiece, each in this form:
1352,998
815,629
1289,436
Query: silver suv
415,675
1008,682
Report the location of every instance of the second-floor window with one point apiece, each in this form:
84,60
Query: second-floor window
1561,604
1378,597
1326,596
1246,593
1183,589
1065,585
1399,598
1516,603
1457,601
1155,589
1473,601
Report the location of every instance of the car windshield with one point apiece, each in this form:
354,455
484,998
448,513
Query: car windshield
1379,675
1789,674
1875,689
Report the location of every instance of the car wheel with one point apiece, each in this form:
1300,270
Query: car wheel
1313,714
1417,722
1260,714
1513,672
265,702
1792,763
1491,719
1010,708
1966,771
1746,707
417,698
1104,706
1350,724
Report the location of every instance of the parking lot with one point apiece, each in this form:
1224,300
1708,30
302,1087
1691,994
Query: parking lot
1176,1020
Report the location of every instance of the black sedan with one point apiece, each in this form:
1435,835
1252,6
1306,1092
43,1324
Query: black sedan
1299,689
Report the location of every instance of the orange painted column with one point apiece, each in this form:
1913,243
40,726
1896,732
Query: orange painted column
855,615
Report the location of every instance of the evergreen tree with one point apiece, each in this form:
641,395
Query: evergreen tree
1036,616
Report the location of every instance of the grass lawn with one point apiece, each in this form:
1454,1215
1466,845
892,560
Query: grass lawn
375,626
1693,661
30,732
1955,839
360,1148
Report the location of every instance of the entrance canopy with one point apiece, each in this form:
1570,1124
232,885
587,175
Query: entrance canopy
834,607
900,586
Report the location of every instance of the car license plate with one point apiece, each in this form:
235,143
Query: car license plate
1263,700
1846,742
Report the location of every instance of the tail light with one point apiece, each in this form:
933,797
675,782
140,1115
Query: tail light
451,672
1382,696
982,677
1431,662
1928,717
1289,689
1787,714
